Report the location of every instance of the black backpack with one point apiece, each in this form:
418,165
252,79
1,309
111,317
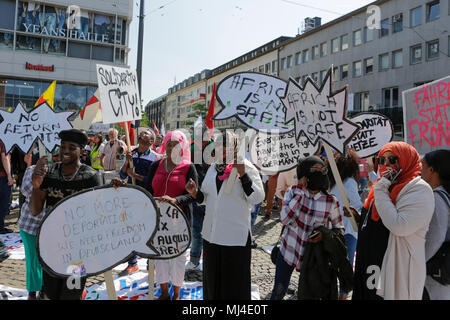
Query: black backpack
438,267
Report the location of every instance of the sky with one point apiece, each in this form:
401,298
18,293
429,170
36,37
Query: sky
184,37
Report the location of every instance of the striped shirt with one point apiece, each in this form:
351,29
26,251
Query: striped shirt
27,222
302,212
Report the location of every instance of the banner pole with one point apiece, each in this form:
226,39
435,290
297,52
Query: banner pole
340,185
111,289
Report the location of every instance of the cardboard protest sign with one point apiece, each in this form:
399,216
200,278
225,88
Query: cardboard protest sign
119,94
22,128
426,116
254,99
272,153
173,235
94,230
375,131
319,112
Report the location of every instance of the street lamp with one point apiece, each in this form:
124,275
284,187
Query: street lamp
139,53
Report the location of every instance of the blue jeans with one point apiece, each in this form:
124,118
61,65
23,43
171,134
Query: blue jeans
5,194
84,27
363,181
30,20
350,241
62,18
254,214
198,215
283,273
50,24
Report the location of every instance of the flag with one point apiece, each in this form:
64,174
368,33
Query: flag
48,95
199,121
209,122
91,112
155,127
163,130
130,131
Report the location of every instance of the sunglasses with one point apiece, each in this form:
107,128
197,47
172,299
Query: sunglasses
392,160
323,170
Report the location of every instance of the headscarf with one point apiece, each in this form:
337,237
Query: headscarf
184,144
409,162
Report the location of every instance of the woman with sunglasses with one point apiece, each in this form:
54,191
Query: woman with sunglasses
390,253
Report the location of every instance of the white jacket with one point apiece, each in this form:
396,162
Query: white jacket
227,217
403,270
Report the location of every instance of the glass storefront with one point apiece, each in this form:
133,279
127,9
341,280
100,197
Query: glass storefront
68,97
66,31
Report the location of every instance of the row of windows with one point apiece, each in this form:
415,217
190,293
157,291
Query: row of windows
361,36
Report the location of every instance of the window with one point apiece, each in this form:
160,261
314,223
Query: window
357,69
384,61
335,45
323,73
344,71
433,9
361,101
305,55
7,10
397,23
298,58
335,73
390,97
344,42
357,39
384,31
283,63
433,49
289,61
315,76
315,52
368,34
397,59
416,17
323,49
267,68
274,65
368,65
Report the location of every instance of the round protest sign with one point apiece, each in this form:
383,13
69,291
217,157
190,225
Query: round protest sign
94,230
173,236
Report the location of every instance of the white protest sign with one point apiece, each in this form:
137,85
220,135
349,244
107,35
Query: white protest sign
173,236
319,112
375,131
426,116
119,94
254,99
272,153
94,230
22,128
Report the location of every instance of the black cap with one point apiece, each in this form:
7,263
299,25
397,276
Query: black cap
74,135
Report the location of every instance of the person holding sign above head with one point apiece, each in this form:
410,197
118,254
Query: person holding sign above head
57,182
306,207
436,172
226,231
390,253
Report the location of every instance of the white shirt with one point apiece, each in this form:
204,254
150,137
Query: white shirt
227,216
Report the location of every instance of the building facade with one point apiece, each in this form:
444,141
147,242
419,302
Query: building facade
56,40
156,110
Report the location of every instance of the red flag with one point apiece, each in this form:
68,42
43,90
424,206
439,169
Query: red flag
209,122
155,128
130,131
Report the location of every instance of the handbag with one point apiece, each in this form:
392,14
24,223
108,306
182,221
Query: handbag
438,267
276,249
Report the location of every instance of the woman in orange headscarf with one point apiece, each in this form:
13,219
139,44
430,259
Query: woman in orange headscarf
390,254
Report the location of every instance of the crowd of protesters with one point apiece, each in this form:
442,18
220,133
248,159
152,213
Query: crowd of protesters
399,201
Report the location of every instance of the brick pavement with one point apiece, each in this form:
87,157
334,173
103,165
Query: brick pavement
266,233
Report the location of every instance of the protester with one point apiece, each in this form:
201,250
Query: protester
285,181
19,165
111,150
390,254
436,172
226,228
29,225
142,158
54,184
6,183
305,207
201,141
157,143
271,189
96,152
349,171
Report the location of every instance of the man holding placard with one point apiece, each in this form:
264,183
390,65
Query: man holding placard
52,184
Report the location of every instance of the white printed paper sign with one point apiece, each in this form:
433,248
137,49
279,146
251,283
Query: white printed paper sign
119,94
254,99
22,128
272,153
319,112
173,235
94,230
375,132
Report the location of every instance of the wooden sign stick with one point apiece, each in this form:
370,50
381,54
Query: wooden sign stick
110,288
338,179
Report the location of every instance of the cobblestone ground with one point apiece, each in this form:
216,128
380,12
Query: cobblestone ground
266,233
